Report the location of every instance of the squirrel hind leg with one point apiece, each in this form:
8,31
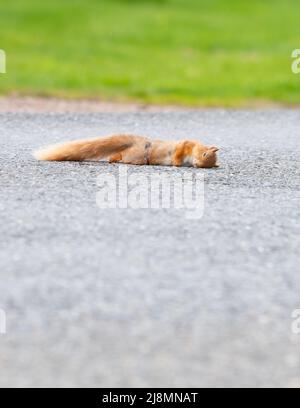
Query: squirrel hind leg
115,158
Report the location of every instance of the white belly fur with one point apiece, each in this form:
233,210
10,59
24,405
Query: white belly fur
188,161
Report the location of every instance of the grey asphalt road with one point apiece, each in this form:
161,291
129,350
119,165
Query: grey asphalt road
126,297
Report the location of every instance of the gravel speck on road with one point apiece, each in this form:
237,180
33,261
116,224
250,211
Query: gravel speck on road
126,297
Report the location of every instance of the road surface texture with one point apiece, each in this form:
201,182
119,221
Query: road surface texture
146,297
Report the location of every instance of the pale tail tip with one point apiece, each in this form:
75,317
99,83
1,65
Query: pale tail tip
40,155
37,155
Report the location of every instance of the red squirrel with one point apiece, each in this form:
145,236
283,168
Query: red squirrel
132,149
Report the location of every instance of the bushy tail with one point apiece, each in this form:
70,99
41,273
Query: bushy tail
85,149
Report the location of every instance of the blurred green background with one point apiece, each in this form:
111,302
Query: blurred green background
193,52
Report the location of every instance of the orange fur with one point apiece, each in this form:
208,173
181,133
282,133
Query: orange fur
183,150
115,158
92,149
133,150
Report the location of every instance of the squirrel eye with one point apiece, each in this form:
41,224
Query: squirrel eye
204,154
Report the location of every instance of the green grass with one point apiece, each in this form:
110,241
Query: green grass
195,52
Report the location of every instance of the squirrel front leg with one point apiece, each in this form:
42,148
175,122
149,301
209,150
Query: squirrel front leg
178,156
183,151
177,161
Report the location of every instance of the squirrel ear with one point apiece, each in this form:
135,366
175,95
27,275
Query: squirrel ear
214,149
